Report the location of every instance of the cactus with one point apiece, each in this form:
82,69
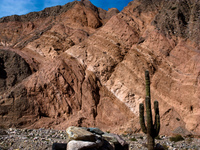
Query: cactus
150,129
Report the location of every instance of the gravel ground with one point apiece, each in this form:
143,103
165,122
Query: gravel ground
41,139
137,141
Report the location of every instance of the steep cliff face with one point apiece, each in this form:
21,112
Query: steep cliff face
88,65
60,94
172,41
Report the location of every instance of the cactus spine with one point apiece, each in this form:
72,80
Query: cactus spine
150,129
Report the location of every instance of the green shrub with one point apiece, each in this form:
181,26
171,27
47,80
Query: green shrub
173,8
124,135
133,139
176,138
141,137
165,147
108,131
189,140
158,138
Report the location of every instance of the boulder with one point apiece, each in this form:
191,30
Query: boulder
110,138
95,130
77,133
120,140
79,145
181,131
117,142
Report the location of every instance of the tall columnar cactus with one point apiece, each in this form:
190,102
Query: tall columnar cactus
150,129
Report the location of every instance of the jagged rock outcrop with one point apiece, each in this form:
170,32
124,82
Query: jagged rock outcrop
88,65
13,69
59,94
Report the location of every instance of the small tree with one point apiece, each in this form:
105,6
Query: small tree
150,129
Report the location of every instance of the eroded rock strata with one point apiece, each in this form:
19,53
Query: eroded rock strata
85,65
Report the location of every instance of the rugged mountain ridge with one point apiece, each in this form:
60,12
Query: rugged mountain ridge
57,10
88,70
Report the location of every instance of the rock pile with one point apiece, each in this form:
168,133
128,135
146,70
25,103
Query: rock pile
91,138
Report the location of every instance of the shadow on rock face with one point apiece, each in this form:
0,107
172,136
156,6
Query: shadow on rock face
13,69
59,146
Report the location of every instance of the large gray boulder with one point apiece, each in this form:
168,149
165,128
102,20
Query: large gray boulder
79,145
77,133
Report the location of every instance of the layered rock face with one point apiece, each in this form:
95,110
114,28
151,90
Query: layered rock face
86,65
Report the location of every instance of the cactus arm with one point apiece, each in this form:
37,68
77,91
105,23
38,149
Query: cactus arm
157,125
157,119
149,116
142,121
147,80
150,127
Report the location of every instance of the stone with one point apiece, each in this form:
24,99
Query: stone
3,132
110,138
79,145
159,147
119,139
77,133
96,131
181,131
116,141
99,143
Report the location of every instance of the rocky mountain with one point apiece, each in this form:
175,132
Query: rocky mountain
81,65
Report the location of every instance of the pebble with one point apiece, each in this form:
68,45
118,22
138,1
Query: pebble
26,139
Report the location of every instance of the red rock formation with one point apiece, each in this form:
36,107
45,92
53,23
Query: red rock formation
88,65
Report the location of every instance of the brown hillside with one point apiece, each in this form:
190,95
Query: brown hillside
86,65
